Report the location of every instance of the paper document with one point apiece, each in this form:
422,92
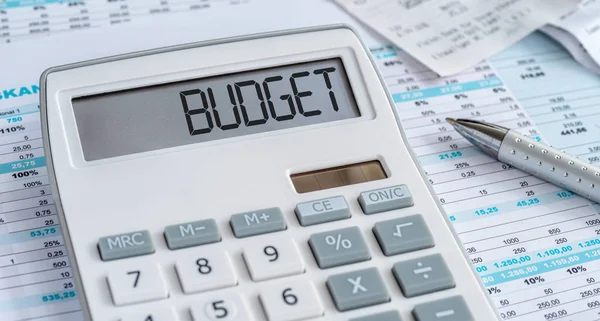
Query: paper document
27,19
534,245
579,32
450,36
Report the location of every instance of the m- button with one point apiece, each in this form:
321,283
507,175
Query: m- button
192,234
125,245
385,199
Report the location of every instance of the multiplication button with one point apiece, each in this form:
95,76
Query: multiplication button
403,235
357,290
423,275
339,247
192,234
450,309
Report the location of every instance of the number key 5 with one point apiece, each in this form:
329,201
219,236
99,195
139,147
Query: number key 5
221,308
205,270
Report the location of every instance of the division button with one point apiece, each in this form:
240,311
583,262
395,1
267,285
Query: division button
403,235
125,245
257,222
450,309
423,275
192,234
322,211
355,290
339,247
385,199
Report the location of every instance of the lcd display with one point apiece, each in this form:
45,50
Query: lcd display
200,110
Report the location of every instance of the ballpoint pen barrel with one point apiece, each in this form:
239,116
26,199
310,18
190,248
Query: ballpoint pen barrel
551,164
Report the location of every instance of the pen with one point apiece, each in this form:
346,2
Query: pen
531,156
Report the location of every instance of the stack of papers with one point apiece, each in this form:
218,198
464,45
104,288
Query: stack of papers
535,246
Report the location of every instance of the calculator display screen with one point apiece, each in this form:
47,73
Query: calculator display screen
200,110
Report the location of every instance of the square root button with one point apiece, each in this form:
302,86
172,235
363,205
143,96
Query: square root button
403,235
385,199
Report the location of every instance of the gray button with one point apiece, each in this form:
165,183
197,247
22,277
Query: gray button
403,235
252,223
192,234
120,246
322,211
355,290
385,316
385,199
423,275
339,247
450,309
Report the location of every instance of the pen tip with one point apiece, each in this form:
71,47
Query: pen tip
451,121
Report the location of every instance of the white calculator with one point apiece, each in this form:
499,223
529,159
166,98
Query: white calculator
256,178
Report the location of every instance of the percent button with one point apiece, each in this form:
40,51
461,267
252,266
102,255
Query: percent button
339,247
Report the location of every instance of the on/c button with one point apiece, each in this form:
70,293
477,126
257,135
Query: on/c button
385,199
322,211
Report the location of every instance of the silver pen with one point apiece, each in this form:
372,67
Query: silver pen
531,156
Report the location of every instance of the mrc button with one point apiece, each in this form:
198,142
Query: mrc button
385,199
125,245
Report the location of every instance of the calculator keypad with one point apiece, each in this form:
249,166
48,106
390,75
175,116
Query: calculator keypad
204,271
272,259
221,308
293,300
137,284
339,247
359,289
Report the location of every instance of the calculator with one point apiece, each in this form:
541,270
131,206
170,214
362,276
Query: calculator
264,177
